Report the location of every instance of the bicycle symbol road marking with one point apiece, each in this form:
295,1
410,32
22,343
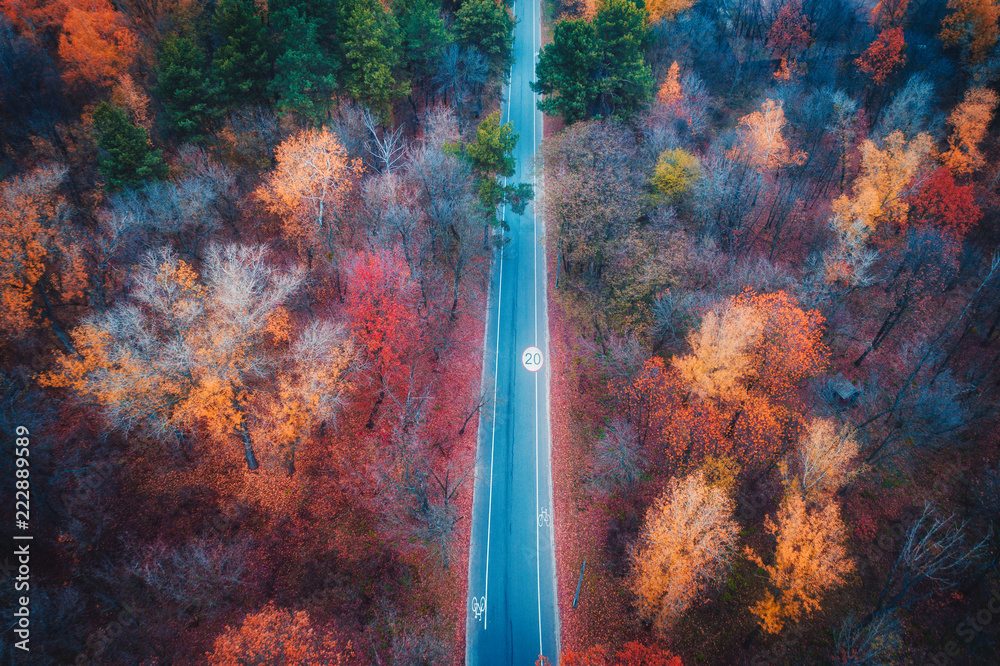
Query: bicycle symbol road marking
479,607
543,517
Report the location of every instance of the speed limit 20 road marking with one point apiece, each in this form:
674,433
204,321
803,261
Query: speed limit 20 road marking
532,359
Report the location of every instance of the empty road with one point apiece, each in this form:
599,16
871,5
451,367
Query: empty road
512,613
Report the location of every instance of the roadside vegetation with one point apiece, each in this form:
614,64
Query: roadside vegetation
244,251
774,230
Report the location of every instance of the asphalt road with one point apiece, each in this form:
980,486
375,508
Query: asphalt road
512,612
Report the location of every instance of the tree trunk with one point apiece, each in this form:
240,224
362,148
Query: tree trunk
247,447
371,416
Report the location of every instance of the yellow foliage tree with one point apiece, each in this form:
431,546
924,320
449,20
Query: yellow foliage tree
762,141
313,386
721,352
666,9
969,121
685,546
675,173
881,187
761,343
810,559
822,460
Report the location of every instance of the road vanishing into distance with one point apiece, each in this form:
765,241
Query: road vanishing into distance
512,612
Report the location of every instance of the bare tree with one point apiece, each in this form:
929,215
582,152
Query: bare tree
618,461
925,411
349,126
423,490
727,195
200,576
394,218
910,110
478,405
933,558
389,149
449,202
184,212
461,76
872,644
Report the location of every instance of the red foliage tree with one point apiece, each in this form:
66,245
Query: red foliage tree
632,653
883,56
944,204
788,37
790,31
381,306
636,654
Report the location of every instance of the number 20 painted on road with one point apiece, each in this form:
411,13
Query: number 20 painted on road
532,359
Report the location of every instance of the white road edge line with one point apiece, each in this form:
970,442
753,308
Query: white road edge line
496,366
534,263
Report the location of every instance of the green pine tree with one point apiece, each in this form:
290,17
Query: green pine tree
125,158
303,74
566,70
489,26
371,48
424,35
599,68
491,158
183,86
243,61
622,28
321,13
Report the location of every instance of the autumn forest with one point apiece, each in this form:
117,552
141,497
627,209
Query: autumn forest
246,250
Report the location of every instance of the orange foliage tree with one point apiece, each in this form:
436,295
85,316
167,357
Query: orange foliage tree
734,392
685,546
35,255
193,353
39,18
883,56
762,140
972,24
95,44
277,637
666,9
308,187
942,203
969,121
889,13
810,559
670,92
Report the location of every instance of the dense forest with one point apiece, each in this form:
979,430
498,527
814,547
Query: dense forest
244,257
774,242
243,260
